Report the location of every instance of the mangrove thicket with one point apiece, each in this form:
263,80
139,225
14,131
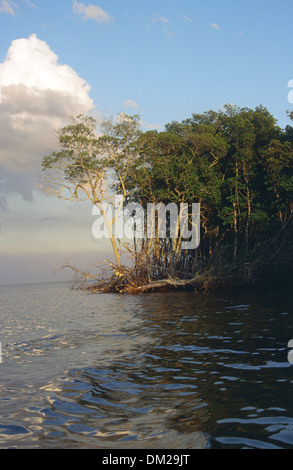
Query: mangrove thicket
236,163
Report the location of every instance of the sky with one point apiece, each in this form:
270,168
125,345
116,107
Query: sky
163,60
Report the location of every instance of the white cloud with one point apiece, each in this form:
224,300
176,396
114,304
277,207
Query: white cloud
30,4
290,94
10,6
151,126
168,34
163,19
38,96
156,19
186,18
91,12
7,7
215,26
160,19
130,104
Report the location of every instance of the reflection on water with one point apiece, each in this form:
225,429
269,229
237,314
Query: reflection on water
170,370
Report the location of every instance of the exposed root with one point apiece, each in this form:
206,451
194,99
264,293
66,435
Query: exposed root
148,275
134,280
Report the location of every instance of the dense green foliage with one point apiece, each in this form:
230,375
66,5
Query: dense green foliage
237,163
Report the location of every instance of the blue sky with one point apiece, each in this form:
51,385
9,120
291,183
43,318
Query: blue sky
163,60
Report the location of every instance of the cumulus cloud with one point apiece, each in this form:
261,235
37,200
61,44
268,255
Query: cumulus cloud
38,96
91,12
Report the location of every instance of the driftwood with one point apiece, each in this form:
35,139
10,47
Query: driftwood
168,283
130,288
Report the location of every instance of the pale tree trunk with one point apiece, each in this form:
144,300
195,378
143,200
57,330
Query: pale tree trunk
112,238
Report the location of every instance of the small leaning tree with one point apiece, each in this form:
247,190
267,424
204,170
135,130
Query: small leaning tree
94,158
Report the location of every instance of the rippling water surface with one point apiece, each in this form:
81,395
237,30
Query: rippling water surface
168,370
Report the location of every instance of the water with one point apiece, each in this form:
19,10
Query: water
168,370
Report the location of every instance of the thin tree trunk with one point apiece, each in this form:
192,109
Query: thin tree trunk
112,239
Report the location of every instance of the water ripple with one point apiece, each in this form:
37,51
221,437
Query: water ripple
170,370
